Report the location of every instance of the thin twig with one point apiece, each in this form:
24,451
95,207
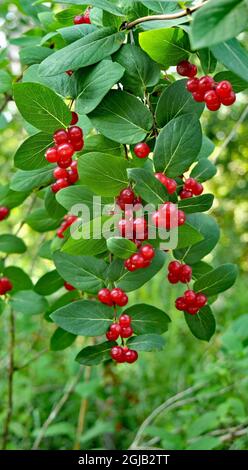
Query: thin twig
82,412
173,16
56,409
10,379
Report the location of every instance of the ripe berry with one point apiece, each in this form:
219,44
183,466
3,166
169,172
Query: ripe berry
65,151
140,228
229,100
186,69
192,84
114,332
68,286
60,137
60,173
192,71
125,320
184,194
199,97
180,304
181,218
75,133
104,296
125,228
212,100
60,184
127,196
131,356
74,118
69,72
137,260
4,212
147,252
5,285
64,162
72,177
126,332
192,310
205,84
174,267
142,150
78,145
189,297
223,89
74,166
129,266
200,300
172,278
185,274
169,183
82,19
117,354
198,189
118,297
51,155
189,184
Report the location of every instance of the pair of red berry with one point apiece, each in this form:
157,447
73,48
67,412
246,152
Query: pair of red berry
168,216
178,272
65,177
191,302
136,229
169,183
67,222
122,328
127,197
4,212
5,285
112,297
140,260
83,19
191,187
123,354
142,150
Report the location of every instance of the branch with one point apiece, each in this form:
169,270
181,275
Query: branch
172,16
10,380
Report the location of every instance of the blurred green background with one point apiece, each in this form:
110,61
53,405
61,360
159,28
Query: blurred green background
104,408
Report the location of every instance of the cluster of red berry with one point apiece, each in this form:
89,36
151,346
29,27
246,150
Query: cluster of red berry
178,272
169,183
140,260
123,354
4,212
5,285
67,222
168,216
67,142
191,188
127,197
83,19
122,328
205,89
112,297
191,302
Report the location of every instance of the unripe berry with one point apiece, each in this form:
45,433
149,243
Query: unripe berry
104,296
60,137
51,155
4,212
142,150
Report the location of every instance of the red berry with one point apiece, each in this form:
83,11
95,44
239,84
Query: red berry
205,84
60,233
119,297
78,145
223,89
125,320
192,71
189,297
74,166
111,336
192,84
74,118
126,332
115,329
199,97
79,19
171,185
185,274
65,151
183,68
129,266
181,218
117,353
198,189
184,194
125,228
192,310
64,162
229,100
51,155
60,173
180,304
68,286
161,177
212,100
75,133
137,260
4,212
189,184
72,177
60,184
140,228
142,150
60,137
131,356
147,252
174,267
173,278
5,285
69,72
104,296
200,300
127,196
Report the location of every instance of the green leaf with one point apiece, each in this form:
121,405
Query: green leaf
217,280
201,268
41,107
178,145
209,229
73,33
233,56
203,423
202,325
208,61
12,199
140,71
18,277
29,180
94,355
187,236
205,443
101,144
83,272
11,244
130,281
49,283
207,148
103,4
149,342
121,247
218,21
238,83
28,302
95,83
61,340
176,101
53,208
147,186
40,221
196,204
148,319
103,174
86,51
122,117
5,81
203,171
75,195
34,54
84,317
31,154
167,46
66,16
